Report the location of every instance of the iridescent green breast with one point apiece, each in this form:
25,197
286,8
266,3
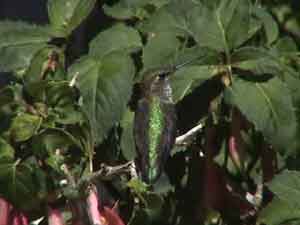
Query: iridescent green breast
156,126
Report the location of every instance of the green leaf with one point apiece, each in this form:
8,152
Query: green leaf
127,9
137,186
286,186
24,126
50,140
269,24
279,212
19,41
285,206
55,161
62,102
212,27
20,33
60,94
154,206
268,105
7,152
172,18
18,184
36,90
257,60
188,78
160,50
6,96
121,11
216,28
105,87
285,47
38,65
66,15
127,139
117,38
163,185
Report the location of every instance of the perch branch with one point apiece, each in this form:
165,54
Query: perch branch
107,172
184,139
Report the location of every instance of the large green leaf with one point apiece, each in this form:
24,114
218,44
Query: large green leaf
268,105
7,152
37,68
117,38
122,10
126,9
62,102
269,24
286,205
285,46
24,126
19,41
213,27
51,139
216,27
186,79
173,18
105,87
286,51
164,49
127,139
18,184
257,60
6,95
20,33
66,15
260,61
160,50
279,212
286,186
60,94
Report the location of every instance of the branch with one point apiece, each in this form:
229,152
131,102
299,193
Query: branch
185,138
107,172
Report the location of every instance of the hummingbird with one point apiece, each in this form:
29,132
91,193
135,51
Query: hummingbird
155,123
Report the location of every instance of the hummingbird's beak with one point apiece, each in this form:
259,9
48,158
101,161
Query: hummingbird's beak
177,67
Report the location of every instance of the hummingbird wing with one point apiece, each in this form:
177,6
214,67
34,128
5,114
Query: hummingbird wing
169,133
154,132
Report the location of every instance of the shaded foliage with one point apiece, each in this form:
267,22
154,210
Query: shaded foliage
61,118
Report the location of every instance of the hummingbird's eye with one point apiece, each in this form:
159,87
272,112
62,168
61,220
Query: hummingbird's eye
162,76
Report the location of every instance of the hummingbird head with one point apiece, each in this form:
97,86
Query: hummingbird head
156,83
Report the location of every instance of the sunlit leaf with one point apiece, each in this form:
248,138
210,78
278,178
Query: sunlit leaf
65,16
269,24
18,184
117,38
127,139
24,126
160,50
7,152
105,87
278,212
19,42
186,79
126,9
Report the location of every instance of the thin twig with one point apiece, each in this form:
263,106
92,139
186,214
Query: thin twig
107,172
73,80
183,139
